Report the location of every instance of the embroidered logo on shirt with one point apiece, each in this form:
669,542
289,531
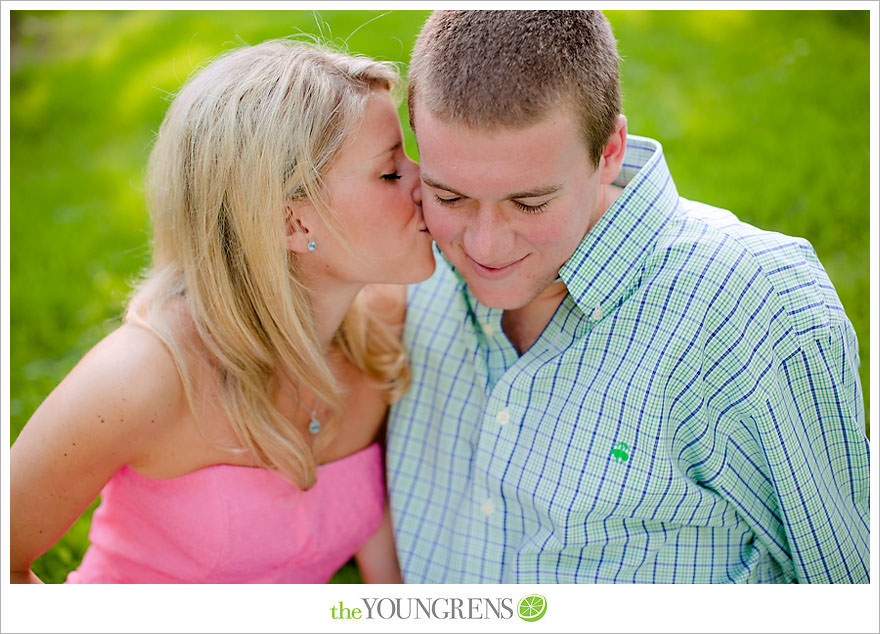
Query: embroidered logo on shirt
620,452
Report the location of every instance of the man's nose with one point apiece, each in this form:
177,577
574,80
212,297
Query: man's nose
487,237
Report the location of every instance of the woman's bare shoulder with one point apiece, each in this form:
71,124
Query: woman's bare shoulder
132,371
107,412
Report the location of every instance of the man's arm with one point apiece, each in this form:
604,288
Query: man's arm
818,455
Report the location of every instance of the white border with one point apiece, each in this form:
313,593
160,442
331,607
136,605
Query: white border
571,608
580,608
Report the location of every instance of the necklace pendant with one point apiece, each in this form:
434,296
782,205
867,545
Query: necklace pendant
314,425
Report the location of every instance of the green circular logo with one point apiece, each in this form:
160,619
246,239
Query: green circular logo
532,607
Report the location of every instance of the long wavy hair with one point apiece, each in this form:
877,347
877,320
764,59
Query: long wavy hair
255,128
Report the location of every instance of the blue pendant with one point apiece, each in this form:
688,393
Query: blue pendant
314,425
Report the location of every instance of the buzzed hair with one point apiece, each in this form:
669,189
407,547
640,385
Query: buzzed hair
512,68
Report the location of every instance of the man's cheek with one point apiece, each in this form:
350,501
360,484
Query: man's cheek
438,223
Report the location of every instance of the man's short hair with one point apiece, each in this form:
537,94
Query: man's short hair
511,68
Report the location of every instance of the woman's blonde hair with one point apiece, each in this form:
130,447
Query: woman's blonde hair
255,128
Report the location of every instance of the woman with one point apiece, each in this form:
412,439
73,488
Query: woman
231,423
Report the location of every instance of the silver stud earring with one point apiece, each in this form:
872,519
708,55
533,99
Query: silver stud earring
312,245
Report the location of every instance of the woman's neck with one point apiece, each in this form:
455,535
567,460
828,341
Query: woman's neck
330,303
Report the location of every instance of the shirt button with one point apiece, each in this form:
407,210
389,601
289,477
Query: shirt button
503,417
597,313
487,507
488,329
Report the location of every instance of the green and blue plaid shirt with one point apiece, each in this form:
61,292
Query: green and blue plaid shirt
692,413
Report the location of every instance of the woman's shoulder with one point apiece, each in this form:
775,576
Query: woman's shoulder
133,369
107,411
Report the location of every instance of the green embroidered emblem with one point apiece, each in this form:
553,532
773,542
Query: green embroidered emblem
619,452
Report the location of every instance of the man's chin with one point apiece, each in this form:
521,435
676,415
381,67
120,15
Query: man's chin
499,299
504,297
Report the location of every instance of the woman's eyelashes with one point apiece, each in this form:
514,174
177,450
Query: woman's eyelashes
393,176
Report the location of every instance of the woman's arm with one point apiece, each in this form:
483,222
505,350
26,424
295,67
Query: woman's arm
102,416
377,558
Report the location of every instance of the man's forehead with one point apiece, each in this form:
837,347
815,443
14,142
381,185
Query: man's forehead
516,160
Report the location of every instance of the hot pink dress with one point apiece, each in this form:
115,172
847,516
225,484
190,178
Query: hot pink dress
233,524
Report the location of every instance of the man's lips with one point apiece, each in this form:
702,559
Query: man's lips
493,272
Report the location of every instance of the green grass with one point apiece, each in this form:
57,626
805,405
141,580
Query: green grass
764,113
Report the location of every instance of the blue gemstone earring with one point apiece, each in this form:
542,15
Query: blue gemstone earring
312,245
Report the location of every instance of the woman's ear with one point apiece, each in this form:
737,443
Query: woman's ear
299,237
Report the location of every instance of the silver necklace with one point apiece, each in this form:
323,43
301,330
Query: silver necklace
314,423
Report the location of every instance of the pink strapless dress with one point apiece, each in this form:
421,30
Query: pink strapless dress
233,524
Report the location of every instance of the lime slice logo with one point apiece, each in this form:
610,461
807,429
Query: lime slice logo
532,607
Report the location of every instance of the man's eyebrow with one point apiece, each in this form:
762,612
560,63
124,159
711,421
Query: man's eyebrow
430,182
537,191
531,193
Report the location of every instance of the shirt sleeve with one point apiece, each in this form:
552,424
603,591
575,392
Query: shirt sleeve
789,415
811,431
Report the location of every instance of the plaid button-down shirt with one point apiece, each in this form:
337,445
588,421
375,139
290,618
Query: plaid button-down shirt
692,413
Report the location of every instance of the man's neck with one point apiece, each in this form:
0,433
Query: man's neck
524,325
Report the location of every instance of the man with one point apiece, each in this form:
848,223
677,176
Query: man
611,383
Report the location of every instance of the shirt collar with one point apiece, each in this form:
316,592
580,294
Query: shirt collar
608,259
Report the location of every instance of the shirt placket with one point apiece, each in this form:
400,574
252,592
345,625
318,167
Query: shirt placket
493,356
497,447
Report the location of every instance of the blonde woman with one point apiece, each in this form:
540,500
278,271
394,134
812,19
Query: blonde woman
230,424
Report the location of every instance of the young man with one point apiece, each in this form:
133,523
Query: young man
611,383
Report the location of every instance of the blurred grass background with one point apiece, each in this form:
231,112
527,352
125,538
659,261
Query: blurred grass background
765,113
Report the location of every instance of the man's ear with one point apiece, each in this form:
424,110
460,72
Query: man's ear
299,216
612,155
